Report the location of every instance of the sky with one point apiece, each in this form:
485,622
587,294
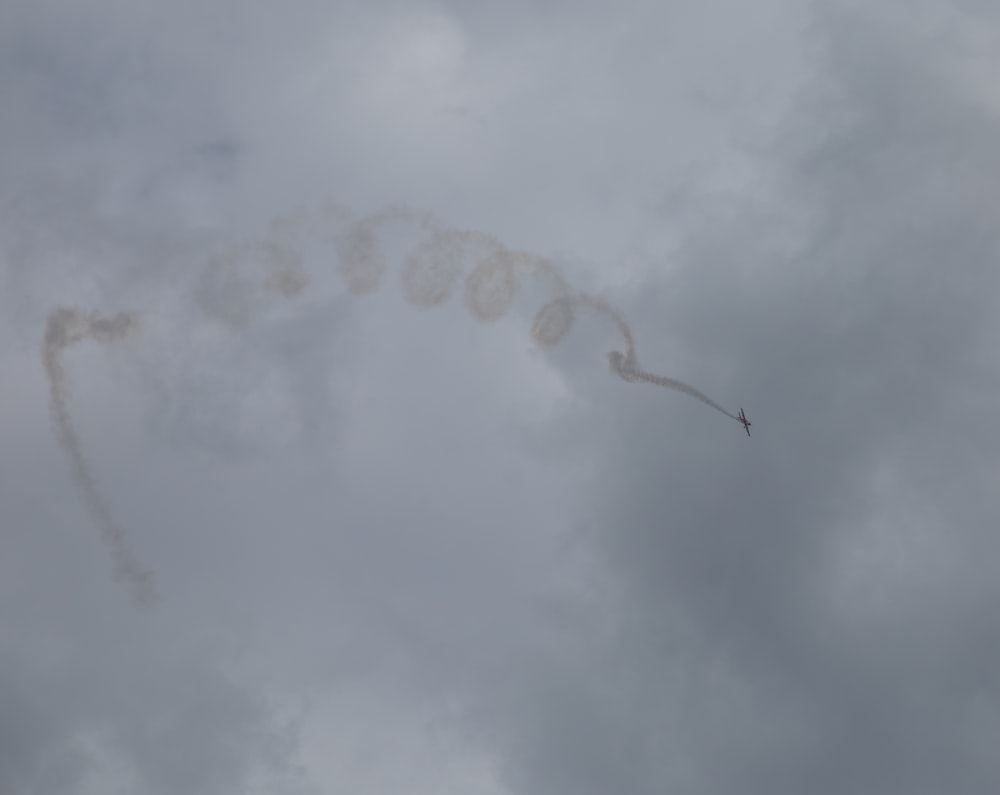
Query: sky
316,475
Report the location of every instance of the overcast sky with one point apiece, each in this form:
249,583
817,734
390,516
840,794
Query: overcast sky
395,549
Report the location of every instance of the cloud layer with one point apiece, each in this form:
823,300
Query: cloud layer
401,549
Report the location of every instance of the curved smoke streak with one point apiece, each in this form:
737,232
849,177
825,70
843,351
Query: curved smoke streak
431,272
67,326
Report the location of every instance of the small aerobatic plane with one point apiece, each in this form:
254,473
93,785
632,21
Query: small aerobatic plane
745,421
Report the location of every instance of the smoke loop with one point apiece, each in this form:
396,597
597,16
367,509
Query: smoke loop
429,274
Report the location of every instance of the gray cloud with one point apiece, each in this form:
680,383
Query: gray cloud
840,568
463,561
174,728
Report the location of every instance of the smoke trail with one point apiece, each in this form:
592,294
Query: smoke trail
361,263
431,270
228,296
627,369
67,326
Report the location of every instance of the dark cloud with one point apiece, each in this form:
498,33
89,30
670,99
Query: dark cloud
76,725
401,516
839,566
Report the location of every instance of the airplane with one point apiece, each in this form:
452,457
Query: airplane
746,423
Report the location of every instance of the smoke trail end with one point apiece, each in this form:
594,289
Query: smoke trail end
65,327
